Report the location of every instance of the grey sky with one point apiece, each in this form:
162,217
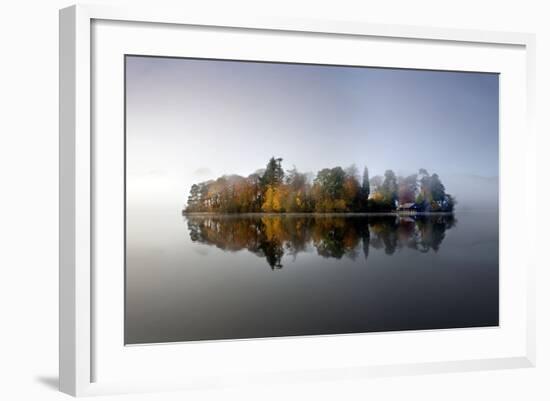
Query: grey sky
193,120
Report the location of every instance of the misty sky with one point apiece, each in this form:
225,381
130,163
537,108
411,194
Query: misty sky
193,120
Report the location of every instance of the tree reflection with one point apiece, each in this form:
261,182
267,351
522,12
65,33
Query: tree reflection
330,236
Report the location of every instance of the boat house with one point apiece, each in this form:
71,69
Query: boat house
409,207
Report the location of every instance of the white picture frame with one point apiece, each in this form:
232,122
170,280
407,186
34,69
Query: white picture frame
82,344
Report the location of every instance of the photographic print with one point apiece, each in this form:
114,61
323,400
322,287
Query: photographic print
268,199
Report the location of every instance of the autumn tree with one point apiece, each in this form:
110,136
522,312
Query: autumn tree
273,199
255,187
297,192
384,197
328,190
352,189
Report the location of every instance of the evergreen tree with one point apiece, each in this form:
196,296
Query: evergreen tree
365,187
274,173
365,190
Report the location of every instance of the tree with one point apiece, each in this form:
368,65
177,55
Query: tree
328,190
422,173
448,204
352,171
331,182
352,189
274,173
193,201
297,191
432,195
273,200
375,183
424,198
406,192
296,180
437,188
254,182
389,187
365,186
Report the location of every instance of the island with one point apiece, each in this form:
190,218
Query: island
331,190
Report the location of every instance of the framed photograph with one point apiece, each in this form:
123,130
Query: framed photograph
278,200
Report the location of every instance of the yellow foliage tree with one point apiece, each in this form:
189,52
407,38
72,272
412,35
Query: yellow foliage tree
272,199
378,197
351,190
339,205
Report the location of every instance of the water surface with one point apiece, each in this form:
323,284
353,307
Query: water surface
207,277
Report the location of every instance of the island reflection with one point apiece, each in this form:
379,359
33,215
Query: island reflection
330,236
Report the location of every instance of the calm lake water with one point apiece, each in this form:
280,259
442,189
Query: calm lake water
206,277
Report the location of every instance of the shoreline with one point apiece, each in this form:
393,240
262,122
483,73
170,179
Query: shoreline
319,214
